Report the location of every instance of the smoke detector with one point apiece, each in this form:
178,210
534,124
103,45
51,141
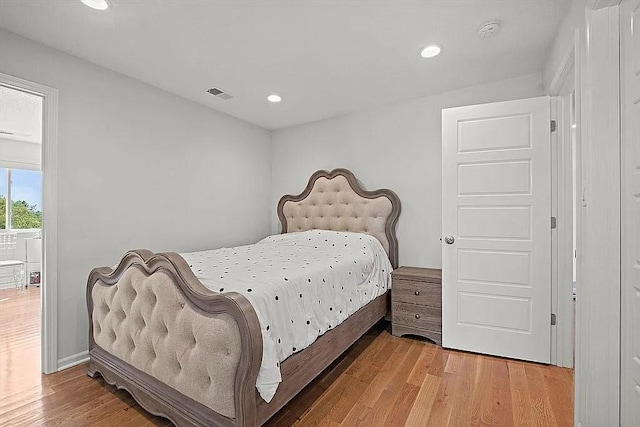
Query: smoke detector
219,93
489,29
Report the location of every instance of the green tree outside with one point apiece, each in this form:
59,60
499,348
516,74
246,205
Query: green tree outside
23,215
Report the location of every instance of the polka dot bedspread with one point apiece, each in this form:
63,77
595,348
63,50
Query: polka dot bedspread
300,284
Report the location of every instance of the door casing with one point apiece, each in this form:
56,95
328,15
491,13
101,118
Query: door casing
563,187
49,288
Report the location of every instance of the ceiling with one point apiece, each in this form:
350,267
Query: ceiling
324,57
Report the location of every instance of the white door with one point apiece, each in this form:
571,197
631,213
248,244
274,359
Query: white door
496,215
630,239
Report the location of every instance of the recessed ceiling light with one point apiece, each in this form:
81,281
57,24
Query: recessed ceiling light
431,51
274,98
97,4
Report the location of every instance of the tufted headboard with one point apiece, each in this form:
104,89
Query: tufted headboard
336,201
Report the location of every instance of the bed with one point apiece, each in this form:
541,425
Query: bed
160,328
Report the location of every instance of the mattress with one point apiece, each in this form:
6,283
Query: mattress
300,284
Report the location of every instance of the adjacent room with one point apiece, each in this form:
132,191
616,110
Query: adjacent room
20,238
319,212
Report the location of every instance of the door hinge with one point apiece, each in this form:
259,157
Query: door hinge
553,319
554,222
554,125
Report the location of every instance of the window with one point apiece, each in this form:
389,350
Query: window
20,159
20,199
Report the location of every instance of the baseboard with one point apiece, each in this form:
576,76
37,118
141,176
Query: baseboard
9,285
73,360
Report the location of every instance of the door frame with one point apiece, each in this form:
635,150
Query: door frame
597,372
627,248
562,335
49,288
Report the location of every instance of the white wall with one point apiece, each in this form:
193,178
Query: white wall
398,147
139,168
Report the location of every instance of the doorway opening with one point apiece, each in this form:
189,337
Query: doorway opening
21,211
28,168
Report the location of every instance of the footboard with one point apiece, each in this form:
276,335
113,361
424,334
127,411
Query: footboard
182,351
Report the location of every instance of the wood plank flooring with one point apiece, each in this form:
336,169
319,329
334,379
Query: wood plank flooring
380,381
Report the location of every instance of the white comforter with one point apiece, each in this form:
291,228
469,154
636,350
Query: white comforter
300,285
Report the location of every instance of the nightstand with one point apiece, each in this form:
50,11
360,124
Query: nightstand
416,302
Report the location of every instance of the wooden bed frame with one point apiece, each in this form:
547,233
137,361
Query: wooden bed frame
149,269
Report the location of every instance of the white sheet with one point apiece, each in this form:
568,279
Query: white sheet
300,285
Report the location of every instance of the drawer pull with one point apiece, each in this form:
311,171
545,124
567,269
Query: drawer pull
417,316
417,293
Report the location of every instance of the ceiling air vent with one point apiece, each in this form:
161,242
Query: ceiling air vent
219,93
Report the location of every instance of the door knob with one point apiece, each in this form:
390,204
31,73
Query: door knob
449,239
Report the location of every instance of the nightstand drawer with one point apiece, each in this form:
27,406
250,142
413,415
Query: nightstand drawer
417,316
421,293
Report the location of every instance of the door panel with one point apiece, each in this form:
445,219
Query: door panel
506,268
487,222
477,135
630,238
497,205
494,178
481,310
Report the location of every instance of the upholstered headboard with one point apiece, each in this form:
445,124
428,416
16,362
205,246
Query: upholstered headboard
336,201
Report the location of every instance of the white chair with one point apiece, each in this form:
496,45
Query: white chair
8,243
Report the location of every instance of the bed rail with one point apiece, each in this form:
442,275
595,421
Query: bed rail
182,351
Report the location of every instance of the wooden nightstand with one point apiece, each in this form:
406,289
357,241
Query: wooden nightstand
416,302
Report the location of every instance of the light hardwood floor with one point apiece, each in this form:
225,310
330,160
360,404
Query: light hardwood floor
381,381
